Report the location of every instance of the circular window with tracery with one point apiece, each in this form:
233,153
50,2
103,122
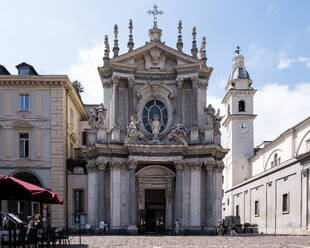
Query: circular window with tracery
152,108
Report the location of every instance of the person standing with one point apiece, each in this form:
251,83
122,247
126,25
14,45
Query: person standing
176,227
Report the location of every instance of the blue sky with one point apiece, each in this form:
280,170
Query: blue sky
66,37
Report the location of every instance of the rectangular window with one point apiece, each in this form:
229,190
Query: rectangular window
84,138
256,208
237,210
24,102
78,201
24,71
24,145
285,203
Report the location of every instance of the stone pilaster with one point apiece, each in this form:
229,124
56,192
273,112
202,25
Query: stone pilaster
178,191
92,213
101,165
194,129
179,99
209,196
195,196
131,81
132,228
116,129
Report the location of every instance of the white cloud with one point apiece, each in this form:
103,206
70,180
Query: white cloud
85,70
277,107
287,62
271,9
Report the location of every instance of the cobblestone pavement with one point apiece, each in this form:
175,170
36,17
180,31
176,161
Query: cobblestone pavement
195,241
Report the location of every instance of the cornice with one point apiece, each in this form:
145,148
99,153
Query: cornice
238,92
231,116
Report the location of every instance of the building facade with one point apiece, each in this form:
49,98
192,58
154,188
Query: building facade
267,185
153,152
39,123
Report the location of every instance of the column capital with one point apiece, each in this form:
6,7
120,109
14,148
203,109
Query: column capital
115,79
305,172
179,165
131,80
132,165
195,80
91,164
179,82
219,166
209,167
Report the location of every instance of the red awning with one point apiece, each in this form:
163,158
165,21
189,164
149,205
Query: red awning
12,188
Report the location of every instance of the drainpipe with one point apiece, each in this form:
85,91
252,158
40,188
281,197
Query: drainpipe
66,158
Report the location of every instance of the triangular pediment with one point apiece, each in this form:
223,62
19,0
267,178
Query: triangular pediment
155,53
22,125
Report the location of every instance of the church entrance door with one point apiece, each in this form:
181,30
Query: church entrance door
155,206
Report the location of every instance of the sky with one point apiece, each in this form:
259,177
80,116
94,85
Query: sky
66,37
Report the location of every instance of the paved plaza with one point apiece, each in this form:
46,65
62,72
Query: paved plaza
195,241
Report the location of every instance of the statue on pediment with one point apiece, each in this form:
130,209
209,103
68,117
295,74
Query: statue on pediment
178,133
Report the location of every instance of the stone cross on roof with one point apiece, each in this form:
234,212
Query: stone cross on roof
155,12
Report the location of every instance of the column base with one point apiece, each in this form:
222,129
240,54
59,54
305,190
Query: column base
132,229
209,230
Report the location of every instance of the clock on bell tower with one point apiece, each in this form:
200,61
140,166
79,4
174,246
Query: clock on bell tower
238,123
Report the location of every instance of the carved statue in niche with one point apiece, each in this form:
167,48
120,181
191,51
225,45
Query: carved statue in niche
210,115
178,133
133,131
156,124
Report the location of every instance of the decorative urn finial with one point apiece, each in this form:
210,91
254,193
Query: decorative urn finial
115,48
180,43
194,49
106,57
203,54
130,43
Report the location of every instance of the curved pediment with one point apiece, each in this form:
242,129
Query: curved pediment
21,124
155,171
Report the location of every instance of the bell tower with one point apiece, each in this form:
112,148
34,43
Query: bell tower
238,123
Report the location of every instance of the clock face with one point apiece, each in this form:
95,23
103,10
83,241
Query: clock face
243,127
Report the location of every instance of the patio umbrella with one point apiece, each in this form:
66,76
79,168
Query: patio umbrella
12,188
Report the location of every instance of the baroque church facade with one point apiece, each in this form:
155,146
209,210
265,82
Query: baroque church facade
154,151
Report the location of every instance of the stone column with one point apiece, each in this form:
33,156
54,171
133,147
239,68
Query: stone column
92,193
195,196
132,228
178,205
100,189
116,130
218,191
131,81
209,197
115,195
179,99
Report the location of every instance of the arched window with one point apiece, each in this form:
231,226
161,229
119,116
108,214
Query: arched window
241,106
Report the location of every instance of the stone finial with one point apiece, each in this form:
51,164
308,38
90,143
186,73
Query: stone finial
180,43
194,49
130,43
115,48
106,51
203,54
